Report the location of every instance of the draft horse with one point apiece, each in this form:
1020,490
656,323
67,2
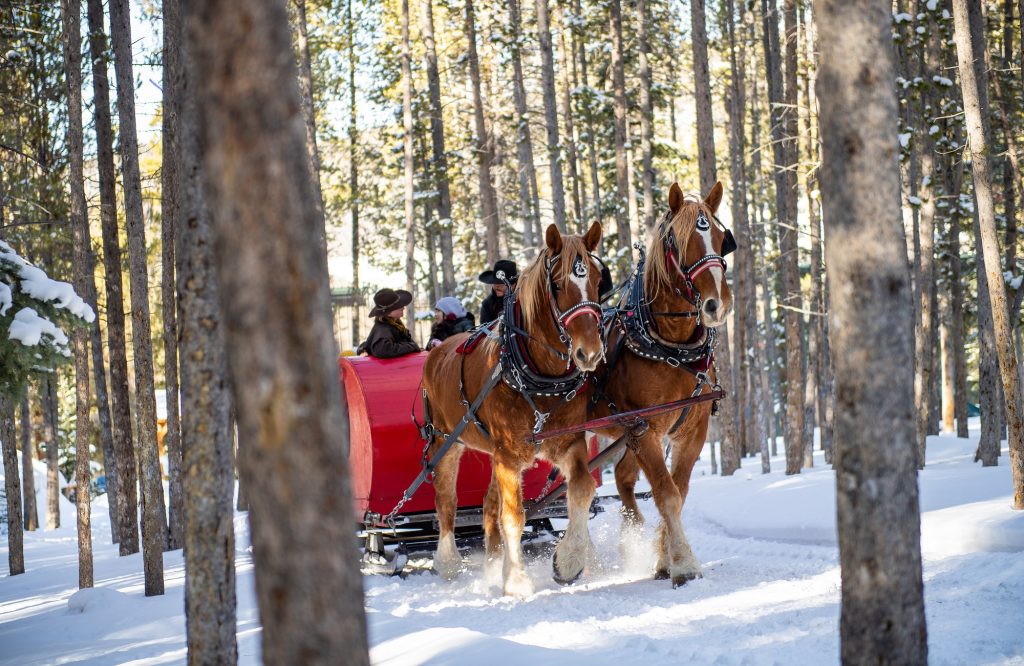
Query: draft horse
547,341
660,349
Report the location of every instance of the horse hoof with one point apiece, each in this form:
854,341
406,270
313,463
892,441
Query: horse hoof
661,574
564,579
682,579
518,585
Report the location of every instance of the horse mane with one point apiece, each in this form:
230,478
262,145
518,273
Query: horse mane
657,274
532,286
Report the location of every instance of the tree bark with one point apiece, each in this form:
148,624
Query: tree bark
208,461
568,60
408,162
620,200
71,20
308,107
978,137
527,172
547,66
882,611
484,145
439,160
702,92
291,411
647,116
154,525
12,489
28,480
170,218
127,530
588,116
102,400
353,181
49,395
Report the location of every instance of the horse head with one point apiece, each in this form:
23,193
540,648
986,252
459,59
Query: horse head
689,254
564,279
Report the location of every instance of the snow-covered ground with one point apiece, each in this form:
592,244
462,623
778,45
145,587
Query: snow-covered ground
769,595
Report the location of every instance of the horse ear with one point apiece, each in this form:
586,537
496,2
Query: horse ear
593,236
553,239
675,198
714,197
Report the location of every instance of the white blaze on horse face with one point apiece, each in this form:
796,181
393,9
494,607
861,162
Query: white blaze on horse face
716,270
579,277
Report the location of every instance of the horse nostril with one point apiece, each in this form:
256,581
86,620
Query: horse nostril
711,306
580,356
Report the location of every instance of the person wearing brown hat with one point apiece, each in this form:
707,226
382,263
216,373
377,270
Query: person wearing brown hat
389,337
491,307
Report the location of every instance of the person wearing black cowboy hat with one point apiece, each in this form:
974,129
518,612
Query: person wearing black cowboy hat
389,337
492,306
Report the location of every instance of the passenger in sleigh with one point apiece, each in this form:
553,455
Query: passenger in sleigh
492,306
389,338
450,317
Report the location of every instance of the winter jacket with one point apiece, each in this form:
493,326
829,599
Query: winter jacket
491,308
446,328
386,340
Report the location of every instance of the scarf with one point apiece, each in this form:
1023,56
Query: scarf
397,323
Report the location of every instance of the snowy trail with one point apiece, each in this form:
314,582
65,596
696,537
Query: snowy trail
769,595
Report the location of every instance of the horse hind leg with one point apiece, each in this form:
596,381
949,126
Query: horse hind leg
447,559
575,546
516,582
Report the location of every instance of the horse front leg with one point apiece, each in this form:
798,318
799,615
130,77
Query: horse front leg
627,471
575,546
447,559
676,559
508,476
492,526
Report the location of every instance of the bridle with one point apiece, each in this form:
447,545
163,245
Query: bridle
563,318
689,274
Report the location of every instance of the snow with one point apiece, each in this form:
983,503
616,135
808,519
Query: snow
770,591
914,201
902,17
932,4
6,298
37,284
943,81
904,138
28,328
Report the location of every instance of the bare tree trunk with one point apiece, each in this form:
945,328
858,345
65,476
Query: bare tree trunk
953,182
208,461
353,182
28,481
12,489
621,200
568,60
702,91
978,136
49,401
308,108
71,39
290,408
647,119
102,401
588,116
154,521
127,530
527,172
882,618
439,162
484,145
171,225
408,161
547,67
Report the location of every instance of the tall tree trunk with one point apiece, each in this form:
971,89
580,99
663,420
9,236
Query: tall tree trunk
28,480
102,401
527,172
291,410
547,67
588,115
647,120
12,488
171,225
308,107
49,402
71,21
882,612
948,367
353,180
620,200
439,161
127,531
978,136
484,145
988,367
568,60
408,161
208,460
702,92
154,525
955,170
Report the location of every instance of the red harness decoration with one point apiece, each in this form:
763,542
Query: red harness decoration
469,344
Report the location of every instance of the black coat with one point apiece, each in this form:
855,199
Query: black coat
449,327
492,308
387,341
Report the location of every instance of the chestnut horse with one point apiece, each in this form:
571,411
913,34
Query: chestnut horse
556,325
661,358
